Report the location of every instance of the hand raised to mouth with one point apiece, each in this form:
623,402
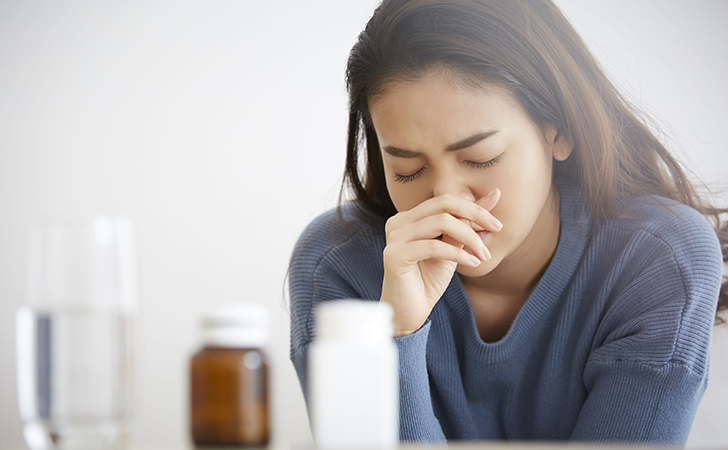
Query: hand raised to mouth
424,247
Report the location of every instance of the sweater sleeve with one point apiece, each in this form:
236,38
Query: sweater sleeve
417,419
649,367
328,265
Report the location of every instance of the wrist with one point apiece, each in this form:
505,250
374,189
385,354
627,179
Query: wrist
399,328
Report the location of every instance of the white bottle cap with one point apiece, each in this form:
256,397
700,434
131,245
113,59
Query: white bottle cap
237,325
354,320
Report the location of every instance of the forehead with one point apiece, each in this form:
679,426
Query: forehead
440,108
437,78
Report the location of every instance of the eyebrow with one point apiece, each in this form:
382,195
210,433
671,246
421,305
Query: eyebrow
465,143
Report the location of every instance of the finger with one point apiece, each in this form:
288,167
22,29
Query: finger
417,251
483,254
457,206
449,240
458,230
489,201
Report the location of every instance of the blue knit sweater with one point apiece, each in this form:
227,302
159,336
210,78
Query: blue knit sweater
612,345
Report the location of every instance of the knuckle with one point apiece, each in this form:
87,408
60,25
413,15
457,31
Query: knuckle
387,255
443,219
390,224
394,235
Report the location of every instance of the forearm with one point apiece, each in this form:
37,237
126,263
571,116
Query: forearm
417,418
638,403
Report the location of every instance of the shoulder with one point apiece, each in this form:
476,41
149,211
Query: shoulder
340,231
667,220
338,256
653,227
661,266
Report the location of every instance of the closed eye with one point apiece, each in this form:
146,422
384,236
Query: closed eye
407,178
485,164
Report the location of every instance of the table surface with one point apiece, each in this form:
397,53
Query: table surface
495,445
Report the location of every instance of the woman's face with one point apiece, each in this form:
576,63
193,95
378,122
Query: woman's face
438,137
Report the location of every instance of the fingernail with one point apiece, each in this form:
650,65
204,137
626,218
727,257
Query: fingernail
496,223
475,260
486,253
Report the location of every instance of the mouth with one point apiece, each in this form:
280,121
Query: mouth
478,229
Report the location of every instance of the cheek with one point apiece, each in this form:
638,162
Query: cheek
524,188
403,196
529,173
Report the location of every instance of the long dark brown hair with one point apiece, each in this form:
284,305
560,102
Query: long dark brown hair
529,48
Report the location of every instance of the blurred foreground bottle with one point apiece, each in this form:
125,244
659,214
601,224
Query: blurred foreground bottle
229,378
75,335
353,377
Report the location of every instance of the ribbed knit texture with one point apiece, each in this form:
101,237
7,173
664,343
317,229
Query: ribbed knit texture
612,345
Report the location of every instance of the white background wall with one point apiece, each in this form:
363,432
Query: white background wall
219,127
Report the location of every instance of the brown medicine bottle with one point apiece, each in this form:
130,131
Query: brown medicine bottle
229,378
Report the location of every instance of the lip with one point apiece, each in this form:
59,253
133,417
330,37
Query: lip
482,233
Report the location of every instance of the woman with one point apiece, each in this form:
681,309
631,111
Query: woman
550,267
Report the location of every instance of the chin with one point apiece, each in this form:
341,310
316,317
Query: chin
484,268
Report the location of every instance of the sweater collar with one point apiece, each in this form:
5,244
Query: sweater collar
576,224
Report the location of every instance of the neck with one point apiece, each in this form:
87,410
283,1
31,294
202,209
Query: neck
518,274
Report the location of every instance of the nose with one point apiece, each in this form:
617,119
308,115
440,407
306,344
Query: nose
446,182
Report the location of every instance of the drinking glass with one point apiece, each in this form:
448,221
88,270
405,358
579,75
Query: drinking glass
75,335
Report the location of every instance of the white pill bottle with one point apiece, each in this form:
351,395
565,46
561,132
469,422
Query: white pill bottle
353,376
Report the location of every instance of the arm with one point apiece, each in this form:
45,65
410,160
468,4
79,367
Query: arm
321,271
417,420
649,370
638,403
409,269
